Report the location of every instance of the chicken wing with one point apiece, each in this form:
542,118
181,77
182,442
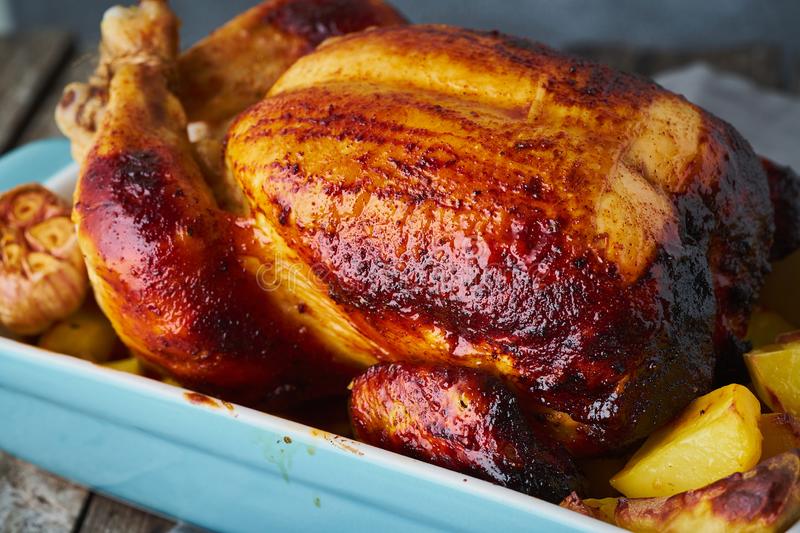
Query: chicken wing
461,419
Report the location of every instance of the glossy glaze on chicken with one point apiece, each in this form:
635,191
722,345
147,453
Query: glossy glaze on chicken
426,195
190,288
476,200
461,419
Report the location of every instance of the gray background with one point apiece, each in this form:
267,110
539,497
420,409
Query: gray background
668,24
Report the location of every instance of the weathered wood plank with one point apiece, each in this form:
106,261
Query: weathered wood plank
761,63
30,60
108,516
32,500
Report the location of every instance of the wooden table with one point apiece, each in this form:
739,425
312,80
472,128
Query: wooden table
36,66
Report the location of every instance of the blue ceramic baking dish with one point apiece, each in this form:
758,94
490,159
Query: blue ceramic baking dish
221,467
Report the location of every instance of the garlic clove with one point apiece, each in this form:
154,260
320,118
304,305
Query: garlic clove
52,236
12,256
26,207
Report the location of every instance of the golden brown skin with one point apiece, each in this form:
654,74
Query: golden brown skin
236,65
146,34
461,419
766,498
472,199
172,274
219,76
190,288
430,194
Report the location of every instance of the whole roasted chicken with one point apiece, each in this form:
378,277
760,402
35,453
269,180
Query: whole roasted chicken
537,252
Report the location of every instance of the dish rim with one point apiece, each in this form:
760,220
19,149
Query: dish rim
62,182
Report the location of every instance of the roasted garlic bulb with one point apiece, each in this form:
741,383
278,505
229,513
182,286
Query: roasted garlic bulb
42,274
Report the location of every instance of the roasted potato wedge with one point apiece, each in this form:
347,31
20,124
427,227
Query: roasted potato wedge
764,499
781,432
715,436
461,419
86,334
775,371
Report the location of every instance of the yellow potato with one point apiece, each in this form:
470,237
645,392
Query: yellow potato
765,326
775,371
764,499
715,436
129,365
781,432
86,334
781,292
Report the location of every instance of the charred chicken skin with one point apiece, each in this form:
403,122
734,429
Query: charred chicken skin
218,77
190,288
461,419
476,200
544,234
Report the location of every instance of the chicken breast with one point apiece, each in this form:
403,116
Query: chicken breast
473,199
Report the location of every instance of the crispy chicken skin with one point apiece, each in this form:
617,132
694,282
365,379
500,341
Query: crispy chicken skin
169,269
192,290
461,419
237,64
219,76
472,199
784,191
426,195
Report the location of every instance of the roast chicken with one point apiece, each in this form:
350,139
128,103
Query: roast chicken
456,206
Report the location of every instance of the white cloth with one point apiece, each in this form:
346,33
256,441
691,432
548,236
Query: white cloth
768,119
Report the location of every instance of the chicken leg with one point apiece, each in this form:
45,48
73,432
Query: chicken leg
191,289
219,76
